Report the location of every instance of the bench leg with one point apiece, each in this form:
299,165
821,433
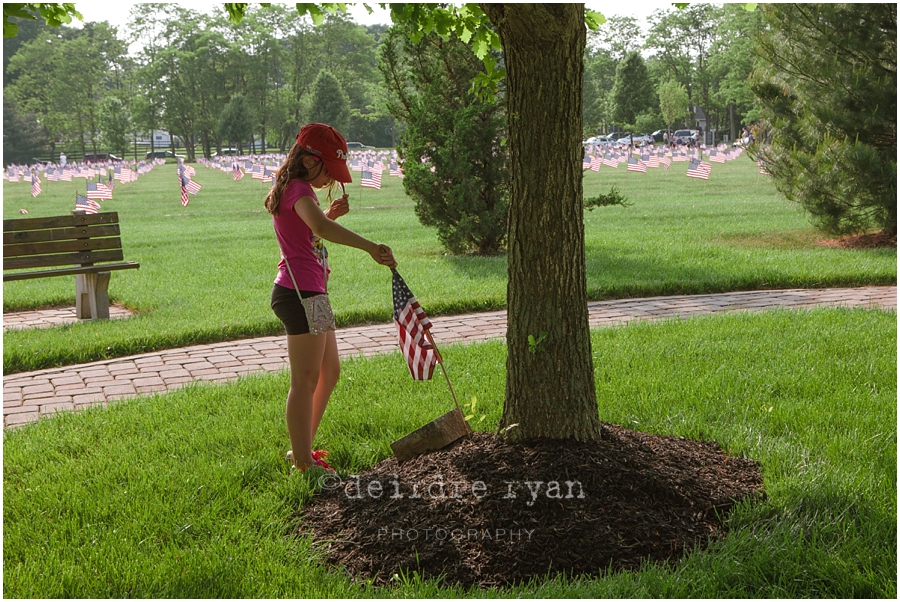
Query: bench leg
92,296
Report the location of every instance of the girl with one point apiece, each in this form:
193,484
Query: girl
299,297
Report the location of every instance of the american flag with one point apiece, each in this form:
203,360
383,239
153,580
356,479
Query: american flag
595,162
35,184
586,162
395,170
86,204
635,165
97,191
370,178
695,170
52,175
412,327
609,161
13,175
189,185
257,173
123,173
236,172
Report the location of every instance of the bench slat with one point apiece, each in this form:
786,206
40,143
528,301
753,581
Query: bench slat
49,261
22,236
70,271
61,246
60,221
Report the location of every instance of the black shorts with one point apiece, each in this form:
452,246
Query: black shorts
289,310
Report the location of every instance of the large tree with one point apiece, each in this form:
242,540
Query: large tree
549,371
828,88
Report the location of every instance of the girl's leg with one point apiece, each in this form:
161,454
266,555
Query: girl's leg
329,374
305,354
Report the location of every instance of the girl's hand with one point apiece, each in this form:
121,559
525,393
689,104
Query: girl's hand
383,255
339,206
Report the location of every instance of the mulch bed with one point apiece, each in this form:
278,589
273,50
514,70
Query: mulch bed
863,241
486,512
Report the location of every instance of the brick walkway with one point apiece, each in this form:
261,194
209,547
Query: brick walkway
29,395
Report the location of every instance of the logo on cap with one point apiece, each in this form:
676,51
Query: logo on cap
342,155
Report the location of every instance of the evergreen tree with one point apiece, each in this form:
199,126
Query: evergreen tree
632,92
23,137
828,89
454,162
329,103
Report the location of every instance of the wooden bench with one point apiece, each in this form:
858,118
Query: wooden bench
84,245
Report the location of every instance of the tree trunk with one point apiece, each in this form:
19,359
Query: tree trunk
549,383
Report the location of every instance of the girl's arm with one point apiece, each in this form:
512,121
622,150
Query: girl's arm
332,231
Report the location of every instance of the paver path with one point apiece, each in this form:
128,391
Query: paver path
29,395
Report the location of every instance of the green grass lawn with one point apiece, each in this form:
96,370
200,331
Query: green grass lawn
187,495
207,269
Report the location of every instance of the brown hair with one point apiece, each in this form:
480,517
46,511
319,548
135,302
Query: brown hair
292,168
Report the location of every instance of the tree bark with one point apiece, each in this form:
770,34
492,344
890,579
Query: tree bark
550,383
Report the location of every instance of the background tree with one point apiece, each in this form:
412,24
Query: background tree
828,88
632,93
329,103
673,101
454,161
115,125
236,121
731,60
618,37
599,77
23,137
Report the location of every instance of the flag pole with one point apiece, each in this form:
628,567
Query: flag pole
440,361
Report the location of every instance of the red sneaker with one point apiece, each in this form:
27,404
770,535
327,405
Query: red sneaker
318,457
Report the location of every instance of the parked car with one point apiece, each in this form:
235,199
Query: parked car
637,139
94,157
226,152
357,145
658,135
166,154
686,136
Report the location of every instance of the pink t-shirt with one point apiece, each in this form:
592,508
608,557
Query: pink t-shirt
304,250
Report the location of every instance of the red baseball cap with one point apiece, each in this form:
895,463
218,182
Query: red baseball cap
326,143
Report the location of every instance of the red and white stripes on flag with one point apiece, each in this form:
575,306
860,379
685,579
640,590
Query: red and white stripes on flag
696,170
35,184
236,173
412,328
98,192
85,204
370,178
635,165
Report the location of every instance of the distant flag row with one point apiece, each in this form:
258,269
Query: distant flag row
639,162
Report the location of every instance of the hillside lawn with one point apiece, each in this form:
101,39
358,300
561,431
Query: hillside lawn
207,269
